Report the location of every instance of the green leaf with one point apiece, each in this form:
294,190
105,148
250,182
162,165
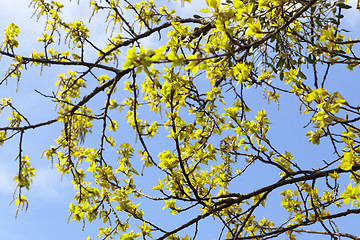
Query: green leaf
197,16
213,3
343,5
205,10
346,166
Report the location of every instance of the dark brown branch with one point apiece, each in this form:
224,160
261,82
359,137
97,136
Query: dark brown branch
325,233
26,60
305,223
147,34
223,204
29,126
137,126
98,89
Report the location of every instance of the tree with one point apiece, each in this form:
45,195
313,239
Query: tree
191,101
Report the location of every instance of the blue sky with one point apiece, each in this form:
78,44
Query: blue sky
49,197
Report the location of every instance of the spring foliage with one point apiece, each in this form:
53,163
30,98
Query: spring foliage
172,123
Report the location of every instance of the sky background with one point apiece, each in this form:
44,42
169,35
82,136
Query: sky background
49,197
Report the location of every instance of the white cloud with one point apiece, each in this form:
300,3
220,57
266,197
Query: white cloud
19,14
352,16
31,28
46,183
7,184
